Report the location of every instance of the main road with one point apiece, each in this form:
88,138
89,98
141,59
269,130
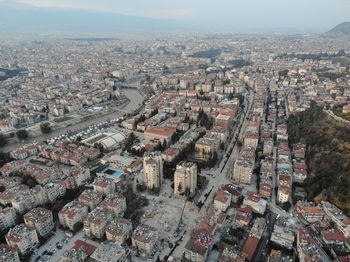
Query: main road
135,100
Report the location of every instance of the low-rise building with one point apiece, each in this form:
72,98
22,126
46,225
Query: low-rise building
222,200
158,134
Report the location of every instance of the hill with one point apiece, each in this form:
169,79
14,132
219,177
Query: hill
327,155
340,30
18,17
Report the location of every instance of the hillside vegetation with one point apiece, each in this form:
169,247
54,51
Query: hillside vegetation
327,156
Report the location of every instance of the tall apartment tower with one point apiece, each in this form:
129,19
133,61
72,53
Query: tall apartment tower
153,169
185,177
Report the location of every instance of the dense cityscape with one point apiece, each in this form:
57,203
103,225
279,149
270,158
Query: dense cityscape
226,147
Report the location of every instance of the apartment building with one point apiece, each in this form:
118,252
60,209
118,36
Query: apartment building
7,218
90,198
115,203
96,221
104,185
222,200
8,254
41,219
185,177
153,169
243,171
119,230
144,238
197,248
72,213
22,237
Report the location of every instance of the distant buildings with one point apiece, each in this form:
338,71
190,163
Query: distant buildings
153,169
185,177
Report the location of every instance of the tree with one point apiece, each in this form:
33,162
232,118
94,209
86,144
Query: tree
3,140
77,227
22,134
2,188
45,127
179,188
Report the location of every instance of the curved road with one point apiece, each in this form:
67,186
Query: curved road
133,95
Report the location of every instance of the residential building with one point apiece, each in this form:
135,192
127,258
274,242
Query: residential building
22,237
153,169
104,185
197,248
341,221
222,200
255,201
118,230
205,148
41,219
8,254
243,171
283,194
96,221
145,238
282,236
7,218
72,213
90,198
115,203
229,254
185,177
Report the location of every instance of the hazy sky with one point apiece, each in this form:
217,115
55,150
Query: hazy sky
303,14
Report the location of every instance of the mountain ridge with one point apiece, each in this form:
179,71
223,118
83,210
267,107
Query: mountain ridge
340,30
